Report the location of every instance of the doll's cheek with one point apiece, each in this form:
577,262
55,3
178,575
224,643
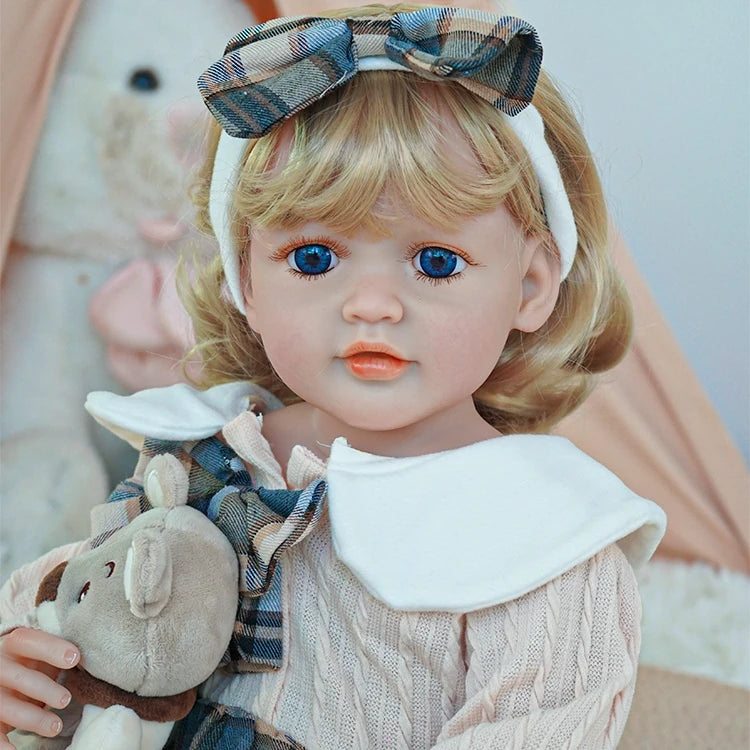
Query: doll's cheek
290,357
251,312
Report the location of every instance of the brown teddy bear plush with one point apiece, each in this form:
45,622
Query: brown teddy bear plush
152,610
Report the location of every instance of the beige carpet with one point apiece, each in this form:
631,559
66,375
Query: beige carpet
683,712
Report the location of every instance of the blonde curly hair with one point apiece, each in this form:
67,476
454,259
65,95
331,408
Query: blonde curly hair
377,134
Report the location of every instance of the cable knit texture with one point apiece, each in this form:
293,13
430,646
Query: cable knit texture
555,668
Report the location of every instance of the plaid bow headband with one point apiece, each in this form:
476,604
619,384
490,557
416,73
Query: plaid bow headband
272,71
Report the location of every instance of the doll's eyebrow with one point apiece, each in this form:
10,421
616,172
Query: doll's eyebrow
111,567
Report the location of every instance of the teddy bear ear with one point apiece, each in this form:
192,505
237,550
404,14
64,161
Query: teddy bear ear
148,573
165,481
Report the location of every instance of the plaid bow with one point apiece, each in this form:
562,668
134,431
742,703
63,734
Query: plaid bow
272,71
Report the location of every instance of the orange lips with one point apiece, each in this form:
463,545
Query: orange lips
374,362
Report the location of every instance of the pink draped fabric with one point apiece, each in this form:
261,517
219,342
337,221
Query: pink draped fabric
33,35
652,424
262,10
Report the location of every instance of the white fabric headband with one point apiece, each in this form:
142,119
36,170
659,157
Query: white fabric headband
527,125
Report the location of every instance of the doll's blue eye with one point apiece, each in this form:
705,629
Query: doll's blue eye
313,259
438,262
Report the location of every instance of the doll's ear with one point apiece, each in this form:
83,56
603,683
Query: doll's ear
540,285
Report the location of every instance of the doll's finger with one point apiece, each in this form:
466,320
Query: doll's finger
50,670
6,682
21,715
27,643
31,684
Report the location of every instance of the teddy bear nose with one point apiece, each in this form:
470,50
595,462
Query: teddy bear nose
148,573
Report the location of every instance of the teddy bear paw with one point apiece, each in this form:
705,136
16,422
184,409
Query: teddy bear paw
114,728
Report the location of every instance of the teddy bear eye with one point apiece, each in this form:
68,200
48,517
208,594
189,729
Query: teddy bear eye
111,567
143,79
84,591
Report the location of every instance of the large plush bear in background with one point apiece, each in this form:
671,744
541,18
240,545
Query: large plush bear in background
108,185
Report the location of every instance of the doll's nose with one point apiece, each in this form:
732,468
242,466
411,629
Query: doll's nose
373,300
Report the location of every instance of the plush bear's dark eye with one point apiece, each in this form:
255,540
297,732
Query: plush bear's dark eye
143,79
111,567
84,591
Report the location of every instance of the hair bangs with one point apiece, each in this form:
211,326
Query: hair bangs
379,149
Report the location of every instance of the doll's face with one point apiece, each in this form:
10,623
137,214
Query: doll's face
397,331
382,333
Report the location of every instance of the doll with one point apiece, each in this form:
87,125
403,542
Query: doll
412,261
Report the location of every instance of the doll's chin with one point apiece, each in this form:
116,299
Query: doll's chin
379,419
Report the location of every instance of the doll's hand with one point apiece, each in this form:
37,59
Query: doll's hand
30,661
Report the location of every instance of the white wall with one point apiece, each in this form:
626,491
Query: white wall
663,88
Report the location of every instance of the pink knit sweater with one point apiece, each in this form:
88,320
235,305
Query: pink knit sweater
555,668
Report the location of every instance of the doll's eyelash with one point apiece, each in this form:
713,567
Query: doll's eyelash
417,247
414,250
283,253
287,248
438,280
306,276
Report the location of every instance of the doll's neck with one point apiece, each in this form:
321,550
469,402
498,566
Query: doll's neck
304,424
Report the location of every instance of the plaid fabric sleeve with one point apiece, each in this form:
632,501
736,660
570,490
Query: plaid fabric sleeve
211,726
261,525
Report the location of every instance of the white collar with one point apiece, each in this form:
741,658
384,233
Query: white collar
454,531
481,525
176,412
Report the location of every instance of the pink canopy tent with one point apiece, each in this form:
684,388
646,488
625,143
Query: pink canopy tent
25,84
650,421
